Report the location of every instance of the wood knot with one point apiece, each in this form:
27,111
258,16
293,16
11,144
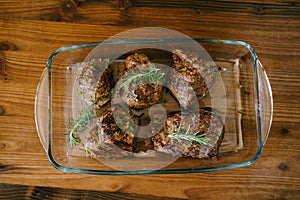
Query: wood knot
5,167
69,6
198,11
3,146
115,187
259,9
284,131
283,167
123,4
2,111
5,46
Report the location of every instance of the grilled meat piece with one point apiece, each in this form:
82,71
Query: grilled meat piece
139,94
96,148
121,135
193,70
108,140
136,60
94,82
210,125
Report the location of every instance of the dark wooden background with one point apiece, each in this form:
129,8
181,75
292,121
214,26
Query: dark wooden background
31,29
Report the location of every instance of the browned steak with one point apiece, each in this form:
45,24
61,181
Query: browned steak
141,93
108,140
136,60
210,127
112,132
96,148
193,69
94,83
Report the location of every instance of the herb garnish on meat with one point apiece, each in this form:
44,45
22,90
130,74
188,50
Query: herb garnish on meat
184,135
149,74
76,126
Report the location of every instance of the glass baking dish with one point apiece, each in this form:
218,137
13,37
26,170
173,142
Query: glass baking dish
244,101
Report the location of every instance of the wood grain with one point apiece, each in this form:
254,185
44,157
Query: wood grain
20,192
31,30
102,11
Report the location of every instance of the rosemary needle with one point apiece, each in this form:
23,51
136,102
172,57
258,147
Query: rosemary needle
150,74
76,126
192,138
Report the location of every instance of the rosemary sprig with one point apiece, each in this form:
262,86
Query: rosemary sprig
192,138
150,74
76,126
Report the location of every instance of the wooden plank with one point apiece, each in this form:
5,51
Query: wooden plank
35,192
22,191
92,11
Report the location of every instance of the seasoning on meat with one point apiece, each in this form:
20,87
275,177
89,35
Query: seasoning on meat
210,128
122,134
111,139
95,82
140,85
193,69
96,148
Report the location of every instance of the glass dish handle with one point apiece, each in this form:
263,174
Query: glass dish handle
41,109
266,102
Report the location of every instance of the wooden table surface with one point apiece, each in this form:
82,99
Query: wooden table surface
31,29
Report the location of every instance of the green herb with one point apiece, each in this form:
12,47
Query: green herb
150,74
76,126
192,138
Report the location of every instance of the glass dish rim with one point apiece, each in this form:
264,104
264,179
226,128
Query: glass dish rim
145,172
